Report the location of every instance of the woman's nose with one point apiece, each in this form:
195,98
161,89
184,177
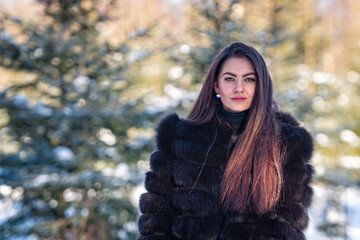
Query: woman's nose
238,86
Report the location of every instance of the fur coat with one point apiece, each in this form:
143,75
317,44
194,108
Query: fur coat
172,209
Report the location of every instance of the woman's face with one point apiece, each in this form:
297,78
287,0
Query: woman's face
236,84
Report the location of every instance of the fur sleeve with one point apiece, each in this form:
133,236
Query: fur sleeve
155,223
290,217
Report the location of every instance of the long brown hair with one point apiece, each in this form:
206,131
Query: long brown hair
253,174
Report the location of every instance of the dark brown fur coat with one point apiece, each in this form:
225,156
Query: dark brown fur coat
172,209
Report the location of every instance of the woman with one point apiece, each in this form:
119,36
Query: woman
236,167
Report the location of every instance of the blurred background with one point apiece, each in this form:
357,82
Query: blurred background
84,82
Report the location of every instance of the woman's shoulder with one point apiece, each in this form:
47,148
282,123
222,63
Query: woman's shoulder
286,118
288,124
165,132
172,127
295,138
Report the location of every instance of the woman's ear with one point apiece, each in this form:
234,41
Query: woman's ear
216,88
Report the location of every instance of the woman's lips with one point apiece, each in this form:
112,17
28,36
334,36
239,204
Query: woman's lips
239,99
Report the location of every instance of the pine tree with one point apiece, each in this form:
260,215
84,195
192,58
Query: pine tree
74,160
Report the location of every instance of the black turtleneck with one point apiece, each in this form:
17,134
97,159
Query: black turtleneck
237,123
235,119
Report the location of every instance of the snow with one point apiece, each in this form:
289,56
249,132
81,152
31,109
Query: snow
63,154
352,77
6,36
106,136
135,196
323,78
174,92
70,212
174,97
43,179
5,190
84,212
350,137
72,196
176,2
351,197
42,110
175,72
348,201
20,100
121,171
137,55
21,237
350,162
350,216
157,104
130,227
343,100
81,83
8,209
322,139
68,111
184,48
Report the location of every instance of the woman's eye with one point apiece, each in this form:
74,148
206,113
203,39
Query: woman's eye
250,80
229,79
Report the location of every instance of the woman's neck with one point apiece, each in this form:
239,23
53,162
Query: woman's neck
234,119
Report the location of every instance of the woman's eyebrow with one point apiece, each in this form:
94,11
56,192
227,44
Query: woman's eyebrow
234,75
229,73
247,74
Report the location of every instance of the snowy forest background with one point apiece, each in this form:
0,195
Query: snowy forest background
84,82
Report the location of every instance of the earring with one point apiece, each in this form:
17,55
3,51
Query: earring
217,95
